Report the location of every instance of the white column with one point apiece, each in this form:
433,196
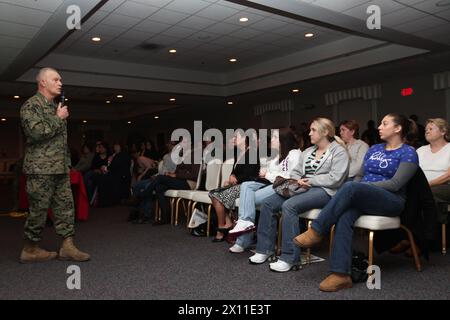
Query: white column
336,113
447,104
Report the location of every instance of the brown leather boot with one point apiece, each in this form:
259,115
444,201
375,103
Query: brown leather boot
335,282
32,253
308,239
68,251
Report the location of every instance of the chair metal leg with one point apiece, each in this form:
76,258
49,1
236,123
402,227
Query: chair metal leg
172,202
188,213
413,247
371,234
177,209
279,235
444,239
191,211
308,251
208,228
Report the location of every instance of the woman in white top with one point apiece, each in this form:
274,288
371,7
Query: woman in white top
434,159
357,149
252,193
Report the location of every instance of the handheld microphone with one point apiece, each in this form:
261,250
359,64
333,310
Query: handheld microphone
62,98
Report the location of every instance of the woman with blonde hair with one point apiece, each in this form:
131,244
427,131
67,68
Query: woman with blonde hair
434,159
321,170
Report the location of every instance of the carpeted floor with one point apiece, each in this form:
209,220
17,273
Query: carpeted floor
165,262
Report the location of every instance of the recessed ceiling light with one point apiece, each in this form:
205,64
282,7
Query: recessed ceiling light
107,101
443,3
3,119
230,102
66,99
173,51
16,97
309,35
84,121
119,96
172,99
129,122
233,60
156,117
96,39
243,19
295,90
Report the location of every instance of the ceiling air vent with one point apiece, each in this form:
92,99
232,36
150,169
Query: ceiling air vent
150,46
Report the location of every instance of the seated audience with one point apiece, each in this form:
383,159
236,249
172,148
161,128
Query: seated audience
224,198
100,159
388,167
115,178
85,162
252,193
321,170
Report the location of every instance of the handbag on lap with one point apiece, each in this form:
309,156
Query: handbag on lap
287,187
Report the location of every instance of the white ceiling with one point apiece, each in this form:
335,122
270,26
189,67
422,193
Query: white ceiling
271,48
206,34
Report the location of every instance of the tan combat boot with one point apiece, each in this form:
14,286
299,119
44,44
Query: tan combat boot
32,253
68,251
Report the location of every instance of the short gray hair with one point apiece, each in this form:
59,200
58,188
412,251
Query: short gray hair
42,72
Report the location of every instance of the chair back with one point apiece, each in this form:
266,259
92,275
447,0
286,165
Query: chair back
227,168
213,171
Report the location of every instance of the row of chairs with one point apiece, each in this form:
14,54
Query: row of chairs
217,174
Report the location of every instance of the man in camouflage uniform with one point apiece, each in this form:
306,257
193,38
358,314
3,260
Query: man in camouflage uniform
46,165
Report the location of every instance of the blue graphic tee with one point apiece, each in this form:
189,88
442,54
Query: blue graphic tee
381,164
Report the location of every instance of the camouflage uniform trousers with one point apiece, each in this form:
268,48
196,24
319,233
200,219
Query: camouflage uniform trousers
49,191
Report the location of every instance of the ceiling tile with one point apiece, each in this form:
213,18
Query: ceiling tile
13,42
268,24
217,12
197,23
45,5
12,13
168,16
151,26
401,16
9,52
137,35
155,3
245,33
188,7
226,41
102,30
111,5
136,10
223,28
120,20
179,32
17,30
421,24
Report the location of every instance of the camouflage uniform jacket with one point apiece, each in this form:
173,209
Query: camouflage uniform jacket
46,150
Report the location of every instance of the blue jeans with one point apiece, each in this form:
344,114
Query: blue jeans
252,194
351,201
290,209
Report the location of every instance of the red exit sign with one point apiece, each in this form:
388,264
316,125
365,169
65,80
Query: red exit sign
407,92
